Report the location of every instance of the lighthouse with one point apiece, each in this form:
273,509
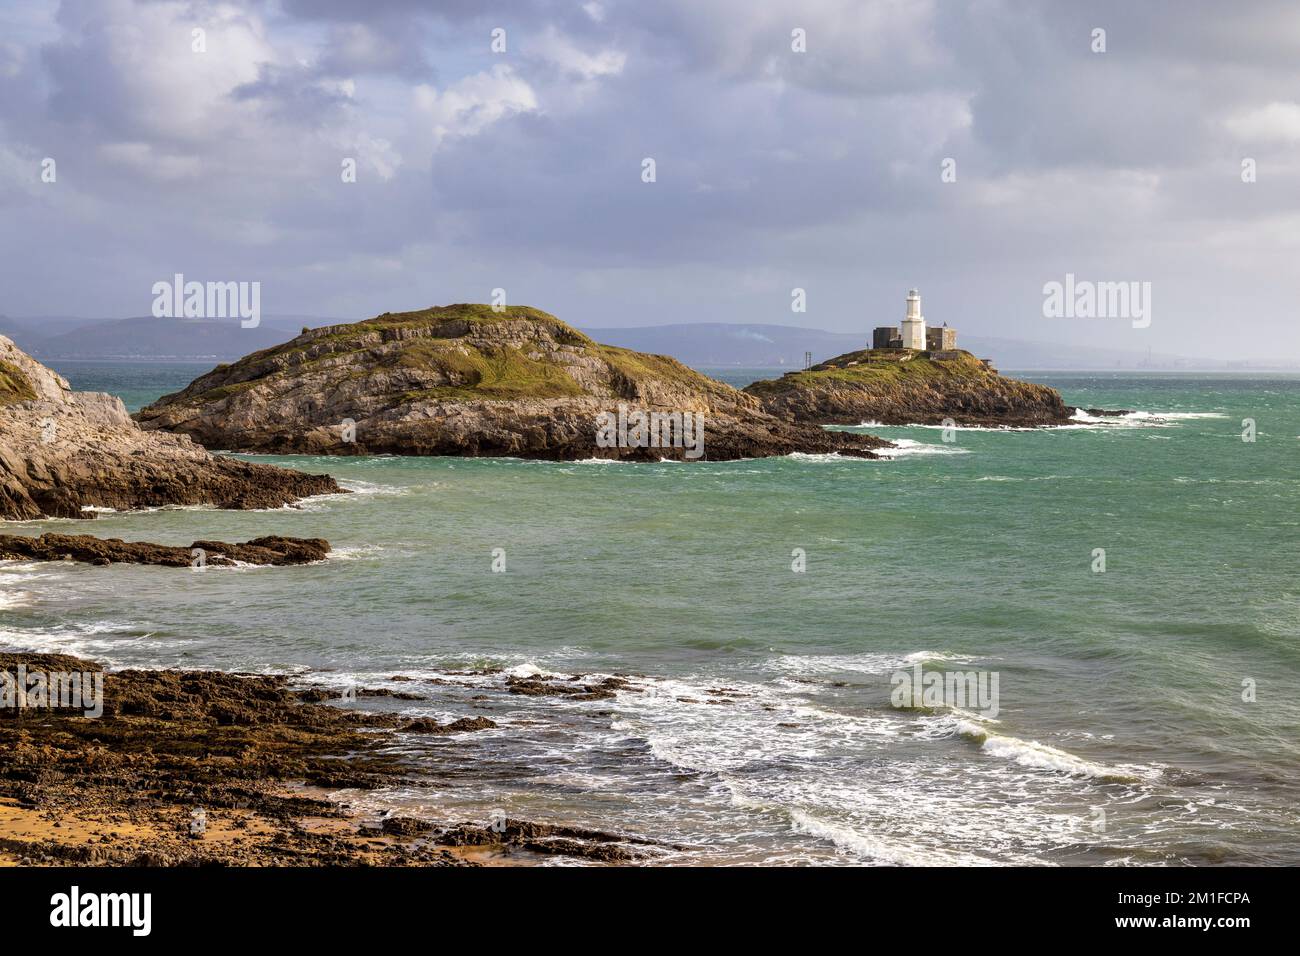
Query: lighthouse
914,323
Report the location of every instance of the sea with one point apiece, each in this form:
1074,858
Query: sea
1124,587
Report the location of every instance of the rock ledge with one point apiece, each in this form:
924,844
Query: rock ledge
64,454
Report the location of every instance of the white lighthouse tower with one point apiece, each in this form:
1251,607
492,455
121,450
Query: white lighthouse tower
914,323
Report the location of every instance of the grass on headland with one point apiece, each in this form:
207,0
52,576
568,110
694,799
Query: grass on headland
448,346
883,367
14,387
499,373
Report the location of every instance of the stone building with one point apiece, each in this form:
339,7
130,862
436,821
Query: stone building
942,339
913,334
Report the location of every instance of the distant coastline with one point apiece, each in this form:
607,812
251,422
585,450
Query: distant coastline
700,345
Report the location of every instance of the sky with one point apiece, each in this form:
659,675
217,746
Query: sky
976,149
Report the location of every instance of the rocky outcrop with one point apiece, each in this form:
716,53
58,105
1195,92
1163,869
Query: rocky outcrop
64,454
427,725
896,387
92,550
467,380
549,839
124,789
204,768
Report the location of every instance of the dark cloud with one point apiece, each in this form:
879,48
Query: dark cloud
774,168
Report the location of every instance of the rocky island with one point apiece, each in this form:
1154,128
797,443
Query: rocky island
64,454
906,387
273,549
913,374
474,381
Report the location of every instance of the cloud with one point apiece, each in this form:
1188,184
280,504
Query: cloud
471,104
359,48
554,48
125,68
144,159
776,168
1278,122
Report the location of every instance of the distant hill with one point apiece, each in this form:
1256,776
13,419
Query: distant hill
717,344
30,333
23,335
151,338
148,338
700,345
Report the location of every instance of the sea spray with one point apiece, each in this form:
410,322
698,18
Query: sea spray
957,690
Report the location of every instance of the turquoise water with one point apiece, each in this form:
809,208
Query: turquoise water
1121,734
136,383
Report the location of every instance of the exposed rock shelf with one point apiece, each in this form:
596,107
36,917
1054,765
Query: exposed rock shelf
93,550
896,387
65,453
467,380
192,768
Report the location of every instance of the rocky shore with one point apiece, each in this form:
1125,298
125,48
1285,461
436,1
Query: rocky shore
64,454
197,767
468,380
894,387
272,549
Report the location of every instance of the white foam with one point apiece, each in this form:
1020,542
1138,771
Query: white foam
921,657
942,427
815,778
355,552
802,665
97,640
827,457
777,758
886,850
10,599
20,567
908,446
450,668
354,490
1136,419
810,664
1080,420
531,669
1176,416
16,577
976,428
358,487
1030,753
